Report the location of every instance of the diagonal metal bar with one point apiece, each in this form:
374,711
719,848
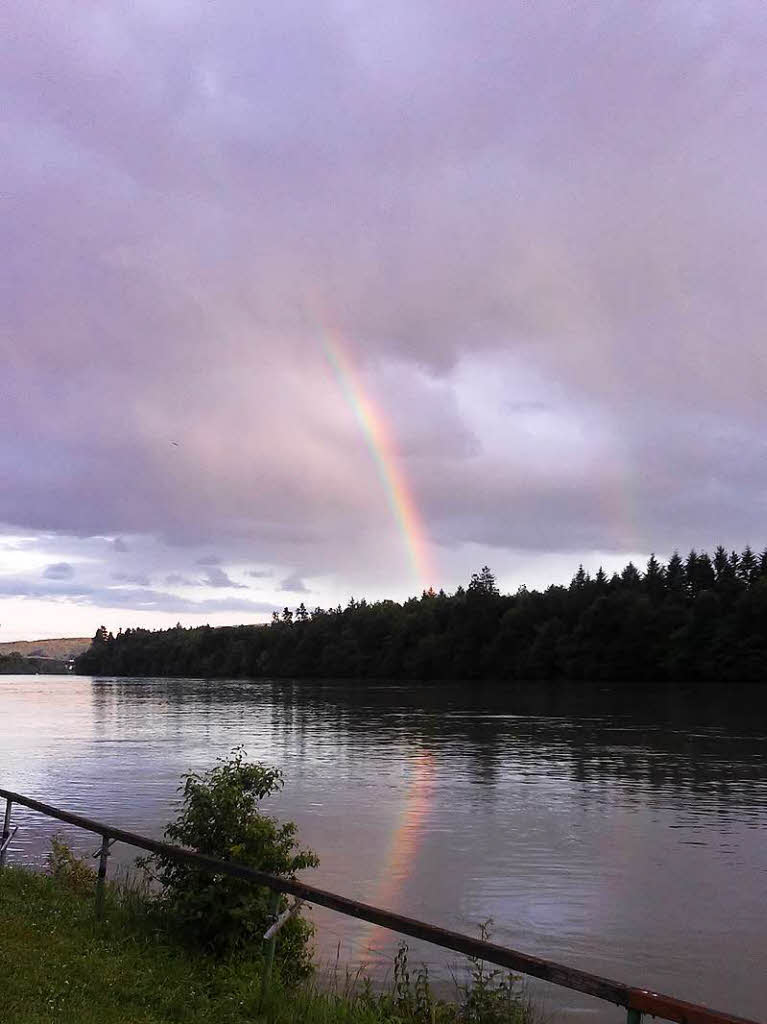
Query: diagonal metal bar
283,919
7,839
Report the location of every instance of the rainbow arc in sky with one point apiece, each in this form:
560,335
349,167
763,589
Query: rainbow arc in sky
378,436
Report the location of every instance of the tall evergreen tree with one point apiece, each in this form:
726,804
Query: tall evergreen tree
721,566
763,565
748,567
654,579
579,580
676,577
706,578
630,577
699,573
100,637
691,572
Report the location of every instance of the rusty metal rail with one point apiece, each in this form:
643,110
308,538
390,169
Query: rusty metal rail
637,1001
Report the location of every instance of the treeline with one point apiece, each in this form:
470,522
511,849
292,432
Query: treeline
17,664
692,619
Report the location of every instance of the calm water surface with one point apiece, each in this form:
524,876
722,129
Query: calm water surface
620,830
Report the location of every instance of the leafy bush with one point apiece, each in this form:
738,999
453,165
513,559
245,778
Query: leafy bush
68,869
220,816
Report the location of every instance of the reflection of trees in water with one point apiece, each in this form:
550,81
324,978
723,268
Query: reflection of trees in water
707,740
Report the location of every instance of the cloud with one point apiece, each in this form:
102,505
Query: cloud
137,579
177,580
153,600
259,573
534,242
140,599
58,571
216,577
18,586
294,585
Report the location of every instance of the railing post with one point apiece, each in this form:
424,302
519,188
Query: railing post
274,906
103,854
633,1017
6,832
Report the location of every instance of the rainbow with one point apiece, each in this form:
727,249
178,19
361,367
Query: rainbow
387,462
407,834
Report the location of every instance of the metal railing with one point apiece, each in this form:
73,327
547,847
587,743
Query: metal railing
637,1001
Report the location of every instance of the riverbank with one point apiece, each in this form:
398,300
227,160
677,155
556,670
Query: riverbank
21,665
60,964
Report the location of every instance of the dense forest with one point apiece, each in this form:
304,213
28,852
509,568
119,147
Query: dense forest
17,664
693,619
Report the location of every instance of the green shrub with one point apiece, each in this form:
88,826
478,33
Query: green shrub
68,869
220,816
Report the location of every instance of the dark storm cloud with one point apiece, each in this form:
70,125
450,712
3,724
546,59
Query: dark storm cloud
216,577
536,230
293,584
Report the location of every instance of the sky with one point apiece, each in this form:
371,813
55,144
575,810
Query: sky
309,300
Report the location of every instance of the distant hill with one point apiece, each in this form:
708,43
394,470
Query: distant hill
61,649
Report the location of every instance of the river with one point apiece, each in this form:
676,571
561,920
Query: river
622,830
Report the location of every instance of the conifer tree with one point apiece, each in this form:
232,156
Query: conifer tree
705,572
721,565
699,572
763,564
654,579
748,567
579,580
630,576
676,578
691,572
100,637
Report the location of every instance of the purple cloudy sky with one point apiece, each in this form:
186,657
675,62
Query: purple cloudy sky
539,231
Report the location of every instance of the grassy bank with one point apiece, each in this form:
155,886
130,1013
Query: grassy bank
58,963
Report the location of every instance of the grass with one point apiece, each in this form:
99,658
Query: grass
59,964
